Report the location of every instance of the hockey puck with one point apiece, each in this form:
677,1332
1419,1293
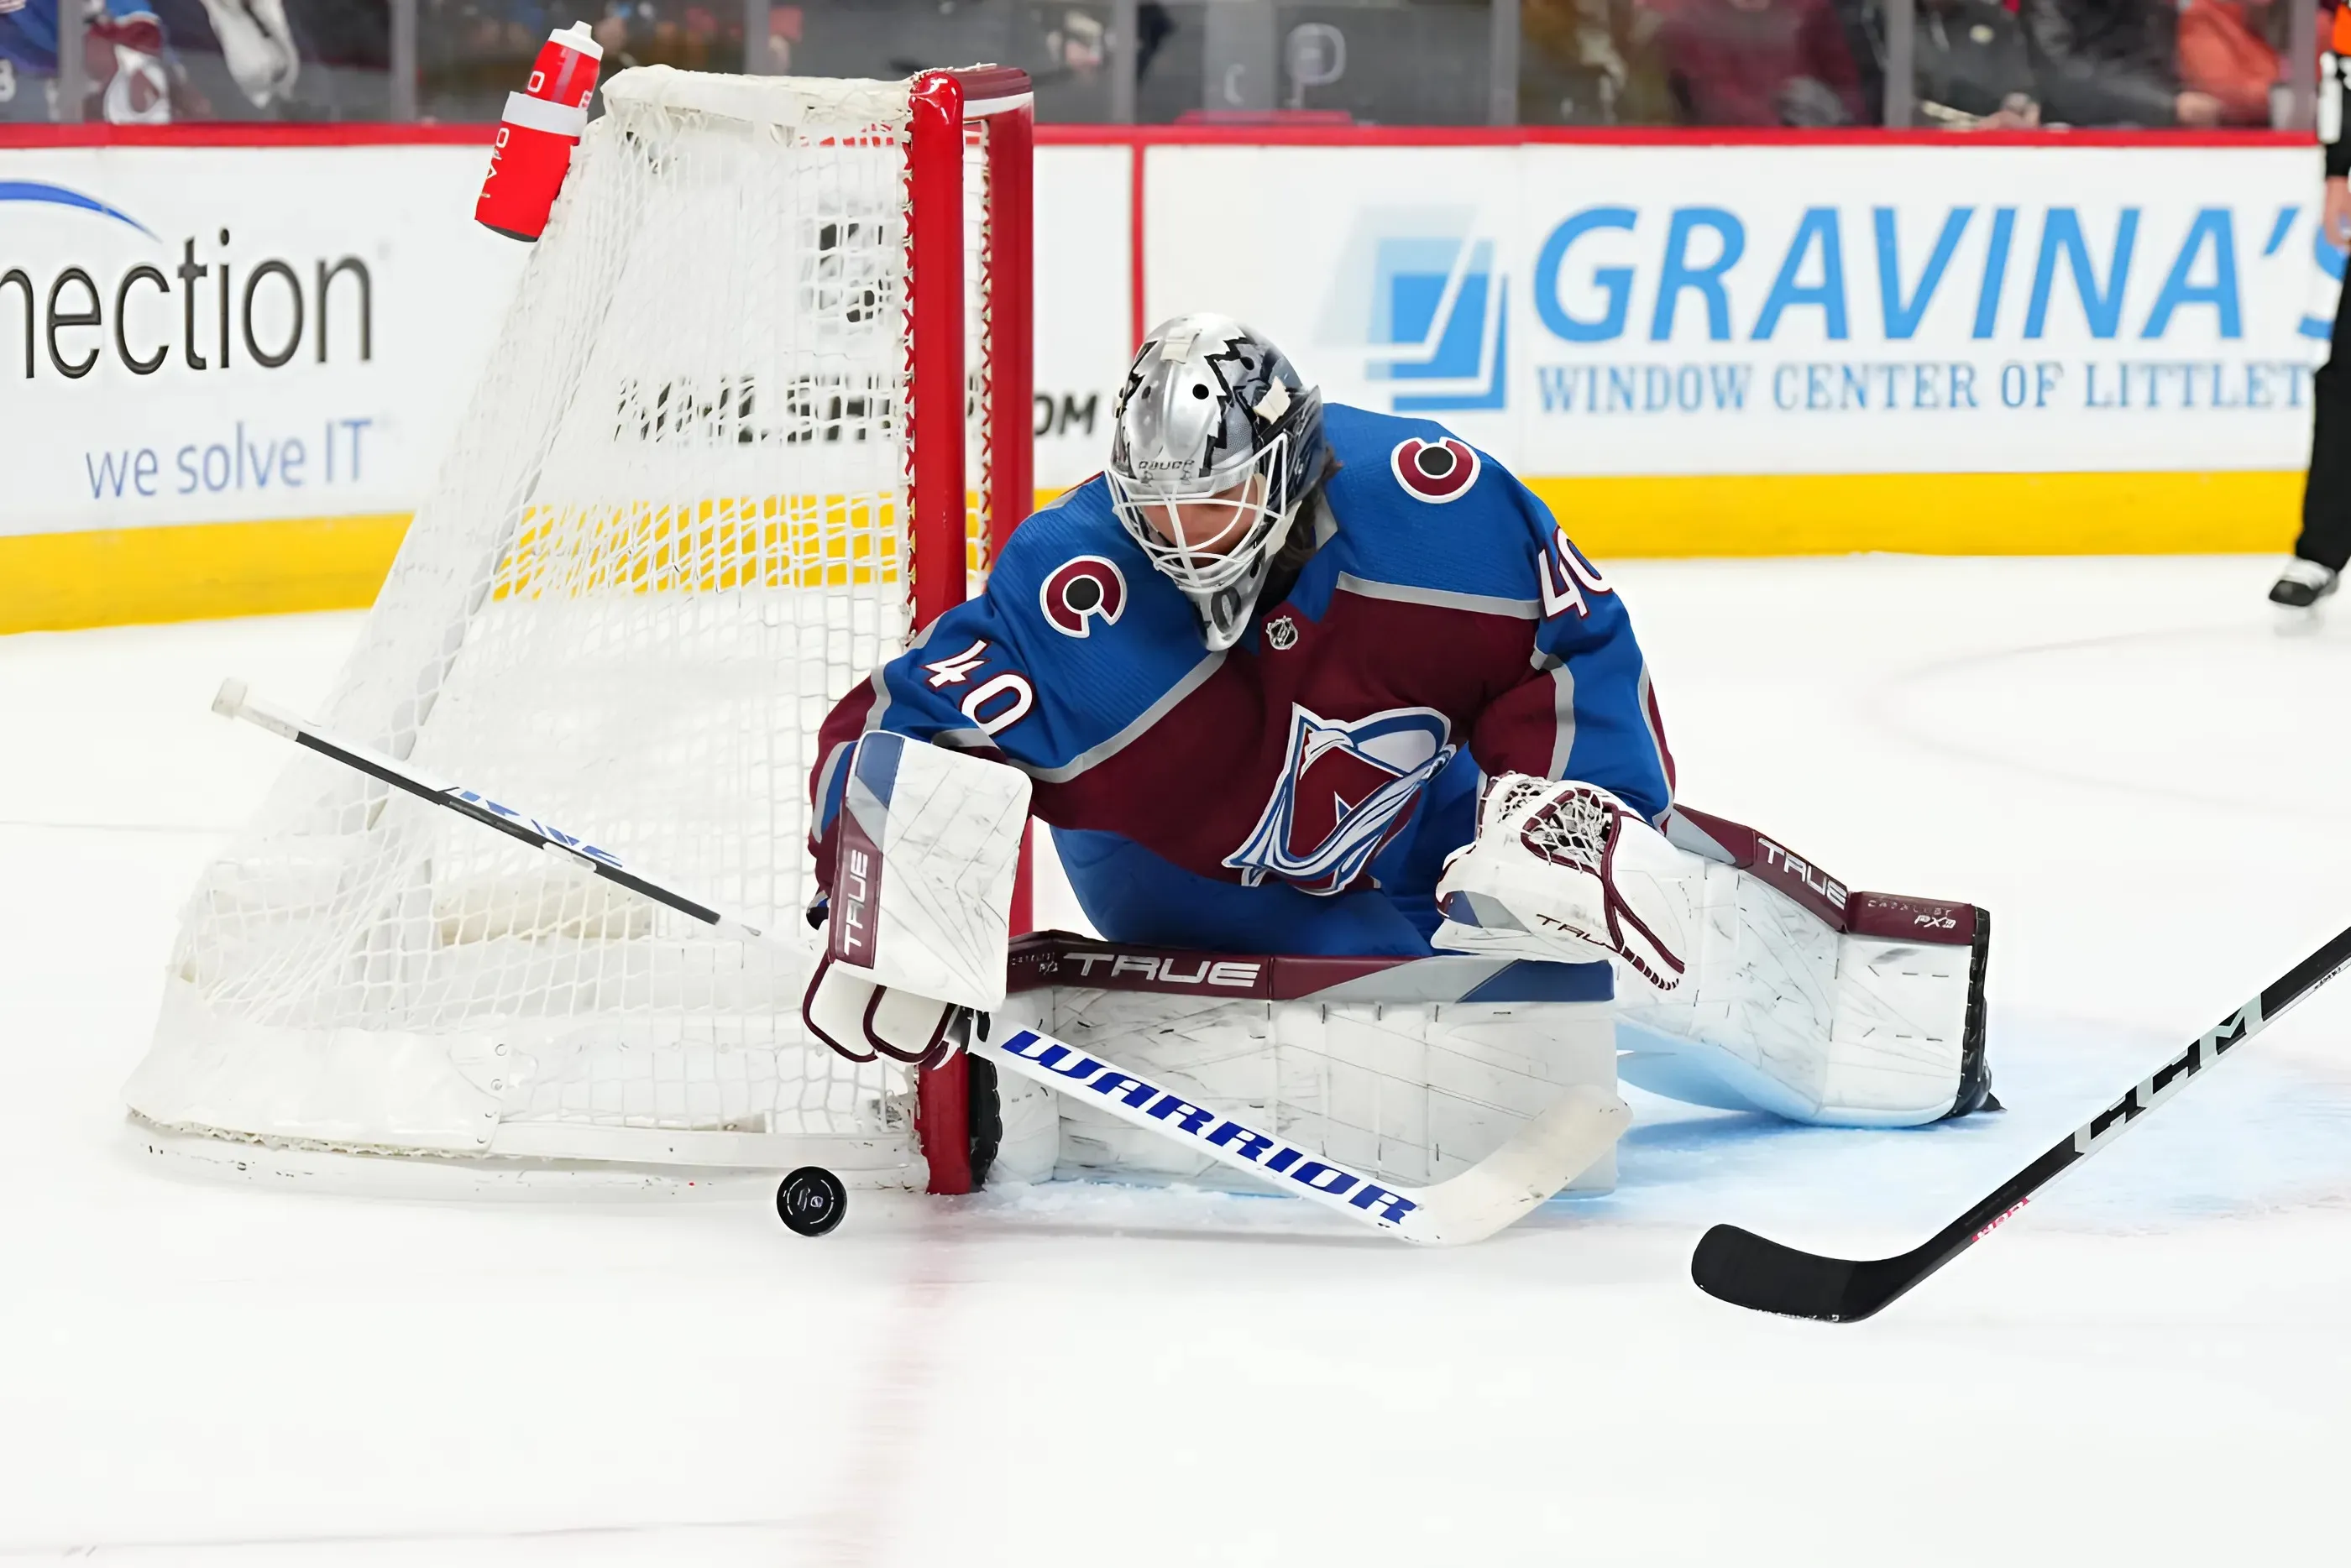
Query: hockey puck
812,1201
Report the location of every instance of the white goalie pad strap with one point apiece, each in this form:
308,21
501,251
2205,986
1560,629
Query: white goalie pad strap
1804,999
1562,869
1416,1085
921,888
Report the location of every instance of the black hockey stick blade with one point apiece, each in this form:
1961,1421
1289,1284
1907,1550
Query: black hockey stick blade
1738,1266
1751,1271
1754,1271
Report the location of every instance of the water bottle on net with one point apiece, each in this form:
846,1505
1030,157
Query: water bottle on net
537,133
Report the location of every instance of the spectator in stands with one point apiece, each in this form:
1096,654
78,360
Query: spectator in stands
241,55
2231,49
346,51
471,53
691,36
1591,62
130,74
1973,71
2111,62
1759,62
28,59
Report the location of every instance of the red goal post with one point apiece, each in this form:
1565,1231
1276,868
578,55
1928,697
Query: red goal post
993,108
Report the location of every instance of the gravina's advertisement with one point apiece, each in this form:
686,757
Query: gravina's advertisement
1782,310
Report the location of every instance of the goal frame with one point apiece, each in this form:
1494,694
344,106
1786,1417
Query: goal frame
965,386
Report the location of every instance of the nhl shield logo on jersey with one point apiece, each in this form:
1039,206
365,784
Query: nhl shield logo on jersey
1434,470
1281,634
1346,787
1081,590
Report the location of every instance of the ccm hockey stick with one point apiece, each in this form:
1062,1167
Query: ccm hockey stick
1751,1271
1543,1156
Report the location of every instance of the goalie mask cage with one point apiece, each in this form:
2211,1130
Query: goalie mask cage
714,474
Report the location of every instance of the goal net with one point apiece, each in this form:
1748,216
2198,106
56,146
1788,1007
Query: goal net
761,392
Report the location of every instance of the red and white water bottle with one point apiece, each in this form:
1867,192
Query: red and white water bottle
535,135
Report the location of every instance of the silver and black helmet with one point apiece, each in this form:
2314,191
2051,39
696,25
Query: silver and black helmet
1215,420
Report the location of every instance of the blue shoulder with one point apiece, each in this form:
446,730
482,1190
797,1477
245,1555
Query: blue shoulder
1077,523
1419,507
1101,633
1071,578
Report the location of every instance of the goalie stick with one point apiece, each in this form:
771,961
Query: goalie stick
1535,1162
1746,1270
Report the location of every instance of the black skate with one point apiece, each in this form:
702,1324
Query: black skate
2303,584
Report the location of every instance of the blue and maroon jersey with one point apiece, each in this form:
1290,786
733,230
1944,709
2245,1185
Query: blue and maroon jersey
1298,791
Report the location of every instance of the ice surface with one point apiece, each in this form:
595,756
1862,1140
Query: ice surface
2119,757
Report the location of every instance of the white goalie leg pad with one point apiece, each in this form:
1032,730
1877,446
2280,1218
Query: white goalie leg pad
1414,1086
1807,999
1564,870
922,889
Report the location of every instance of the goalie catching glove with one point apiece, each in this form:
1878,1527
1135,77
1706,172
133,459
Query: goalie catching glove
1566,871
926,844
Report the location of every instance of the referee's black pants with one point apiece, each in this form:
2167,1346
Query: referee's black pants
2326,494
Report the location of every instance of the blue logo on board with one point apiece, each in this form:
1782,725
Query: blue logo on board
45,193
1440,325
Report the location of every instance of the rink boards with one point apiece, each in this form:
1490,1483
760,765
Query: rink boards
228,371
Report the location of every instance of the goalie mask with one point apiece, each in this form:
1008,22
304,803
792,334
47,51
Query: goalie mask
1218,444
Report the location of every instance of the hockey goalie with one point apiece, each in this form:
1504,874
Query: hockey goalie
1308,680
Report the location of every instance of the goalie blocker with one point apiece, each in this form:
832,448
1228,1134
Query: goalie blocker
919,912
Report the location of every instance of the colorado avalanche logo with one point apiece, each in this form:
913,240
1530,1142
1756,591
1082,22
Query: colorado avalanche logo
1346,789
1434,470
1081,590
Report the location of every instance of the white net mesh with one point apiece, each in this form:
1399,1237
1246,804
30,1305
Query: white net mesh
671,534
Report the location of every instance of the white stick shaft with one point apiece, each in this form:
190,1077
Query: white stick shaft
236,703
